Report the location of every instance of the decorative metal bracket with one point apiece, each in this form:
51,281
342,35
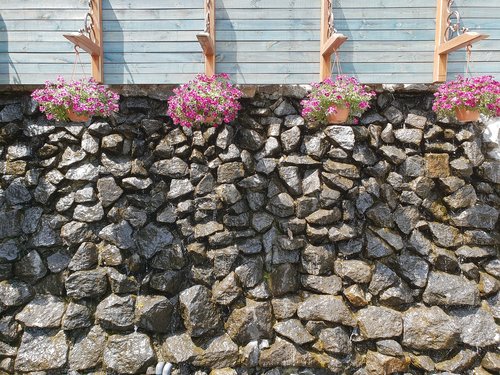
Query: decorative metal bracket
207,38
90,39
330,39
449,37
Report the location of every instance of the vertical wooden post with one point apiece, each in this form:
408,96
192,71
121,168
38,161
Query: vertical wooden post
440,60
207,38
443,47
94,44
325,61
97,60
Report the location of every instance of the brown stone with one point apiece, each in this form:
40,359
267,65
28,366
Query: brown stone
380,364
437,165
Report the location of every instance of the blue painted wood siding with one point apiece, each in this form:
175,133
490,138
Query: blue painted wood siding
258,41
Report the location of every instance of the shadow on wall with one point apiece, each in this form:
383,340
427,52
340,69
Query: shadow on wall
115,65
345,55
7,67
231,45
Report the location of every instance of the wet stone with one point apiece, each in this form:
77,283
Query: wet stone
85,284
450,290
429,328
41,350
128,354
379,322
199,313
294,330
320,307
116,313
87,350
44,311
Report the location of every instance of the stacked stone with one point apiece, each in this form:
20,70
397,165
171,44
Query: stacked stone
248,249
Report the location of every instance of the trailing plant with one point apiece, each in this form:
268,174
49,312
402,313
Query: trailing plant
481,94
325,97
83,97
212,100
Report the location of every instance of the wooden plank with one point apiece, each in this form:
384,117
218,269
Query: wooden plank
84,42
333,43
461,41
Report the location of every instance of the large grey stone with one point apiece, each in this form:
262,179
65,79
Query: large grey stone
413,269
71,155
327,308
219,352
251,322
9,251
294,330
479,216
77,315
116,313
445,235
282,205
44,311
429,328
87,350
108,190
318,260
383,278
179,348
17,193
477,327
341,135
14,293
129,354
450,290
152,238
85,284
119,234
154,313
30,268
179,188
199,313
335,341
85,172
88,213
42,350
355,270
117,165
379,322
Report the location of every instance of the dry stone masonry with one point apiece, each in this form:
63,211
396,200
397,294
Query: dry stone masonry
267,247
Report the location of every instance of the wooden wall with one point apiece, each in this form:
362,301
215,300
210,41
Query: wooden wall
258,41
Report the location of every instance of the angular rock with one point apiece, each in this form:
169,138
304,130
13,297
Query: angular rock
77,315
251,322
41,350
30,268
341,135
294,330
480,216
179,188
85,172
199,313
86,284
154,313
380,364
87,350
180,348
429,328
477,327
284,279
437,165
108,191
412,136
17,193
355,270
322,284
459,363
88,213
379,322
281,205
44,311
450,290
116,313
219,352
413,269
327,308
318,260
129,354
152,238
119,235
14,293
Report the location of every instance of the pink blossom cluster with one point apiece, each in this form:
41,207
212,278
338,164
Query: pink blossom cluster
325,96
479,93
205,99
84,96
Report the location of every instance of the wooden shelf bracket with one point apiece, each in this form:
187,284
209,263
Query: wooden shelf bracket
207,38
330,39
90,39
449,37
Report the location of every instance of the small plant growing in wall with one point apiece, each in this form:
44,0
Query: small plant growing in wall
75,100
205,100
334,101
466,98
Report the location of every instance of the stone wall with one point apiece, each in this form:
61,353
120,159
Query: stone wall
260,247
